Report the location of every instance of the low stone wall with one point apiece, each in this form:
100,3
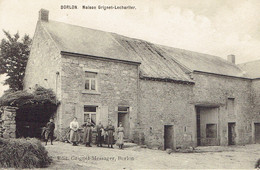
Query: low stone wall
7,122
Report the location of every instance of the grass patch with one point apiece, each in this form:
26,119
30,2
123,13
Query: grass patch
23,153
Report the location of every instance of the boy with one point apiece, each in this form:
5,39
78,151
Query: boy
49,131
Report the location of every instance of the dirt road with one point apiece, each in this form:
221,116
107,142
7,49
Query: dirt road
66,156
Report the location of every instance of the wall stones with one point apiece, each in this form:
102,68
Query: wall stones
8,124
117,85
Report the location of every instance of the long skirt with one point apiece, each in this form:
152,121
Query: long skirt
87,135
74,137
110,137
100,138
120,138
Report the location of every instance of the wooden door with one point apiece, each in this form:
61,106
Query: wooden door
257,132
231,133
168,137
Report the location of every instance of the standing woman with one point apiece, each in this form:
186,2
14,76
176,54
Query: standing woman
120,136
110,130
87,135
74,126
100,136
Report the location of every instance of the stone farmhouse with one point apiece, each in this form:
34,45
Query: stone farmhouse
165,97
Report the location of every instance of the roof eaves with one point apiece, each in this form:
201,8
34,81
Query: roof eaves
167,80
204,72
99,57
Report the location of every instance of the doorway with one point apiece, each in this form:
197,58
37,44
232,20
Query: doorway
207,125
123,117
231,133
257,132
168,137
31,120
198,125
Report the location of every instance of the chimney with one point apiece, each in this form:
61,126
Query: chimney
44,15
231,58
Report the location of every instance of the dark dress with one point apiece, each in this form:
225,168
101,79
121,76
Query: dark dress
49,131
87,133
100,136
110,131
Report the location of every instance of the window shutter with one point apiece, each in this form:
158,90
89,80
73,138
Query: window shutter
103,115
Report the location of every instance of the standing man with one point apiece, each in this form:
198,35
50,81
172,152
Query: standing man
110,132
49,131
100,135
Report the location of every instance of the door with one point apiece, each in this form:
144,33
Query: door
231,133
198,125
257,132
168,137
124,119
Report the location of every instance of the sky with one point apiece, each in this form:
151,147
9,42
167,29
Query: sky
216,27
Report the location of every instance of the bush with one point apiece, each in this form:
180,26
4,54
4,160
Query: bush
23,153
39,96
257,164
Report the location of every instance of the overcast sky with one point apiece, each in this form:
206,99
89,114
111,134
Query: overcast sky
217,27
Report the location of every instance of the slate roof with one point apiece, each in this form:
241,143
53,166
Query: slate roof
251,68
157,61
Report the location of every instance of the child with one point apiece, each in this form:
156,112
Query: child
49,131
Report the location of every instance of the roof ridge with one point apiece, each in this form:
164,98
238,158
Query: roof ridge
210,55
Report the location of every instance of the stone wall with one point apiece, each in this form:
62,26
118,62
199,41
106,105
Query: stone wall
165,103
255,115
8,124
43,66
214,90
117,86
174,104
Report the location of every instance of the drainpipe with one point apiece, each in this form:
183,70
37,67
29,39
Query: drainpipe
56,84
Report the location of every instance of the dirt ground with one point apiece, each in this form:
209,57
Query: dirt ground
66,156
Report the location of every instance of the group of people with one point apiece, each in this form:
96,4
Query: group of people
102,134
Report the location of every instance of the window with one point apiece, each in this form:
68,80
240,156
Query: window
90,112
211,130
123,109
90,81
123,116
231,106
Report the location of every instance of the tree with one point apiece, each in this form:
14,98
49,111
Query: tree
14,54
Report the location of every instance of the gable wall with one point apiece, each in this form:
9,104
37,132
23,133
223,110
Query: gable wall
43,63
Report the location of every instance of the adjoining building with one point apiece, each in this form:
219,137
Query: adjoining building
165,97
